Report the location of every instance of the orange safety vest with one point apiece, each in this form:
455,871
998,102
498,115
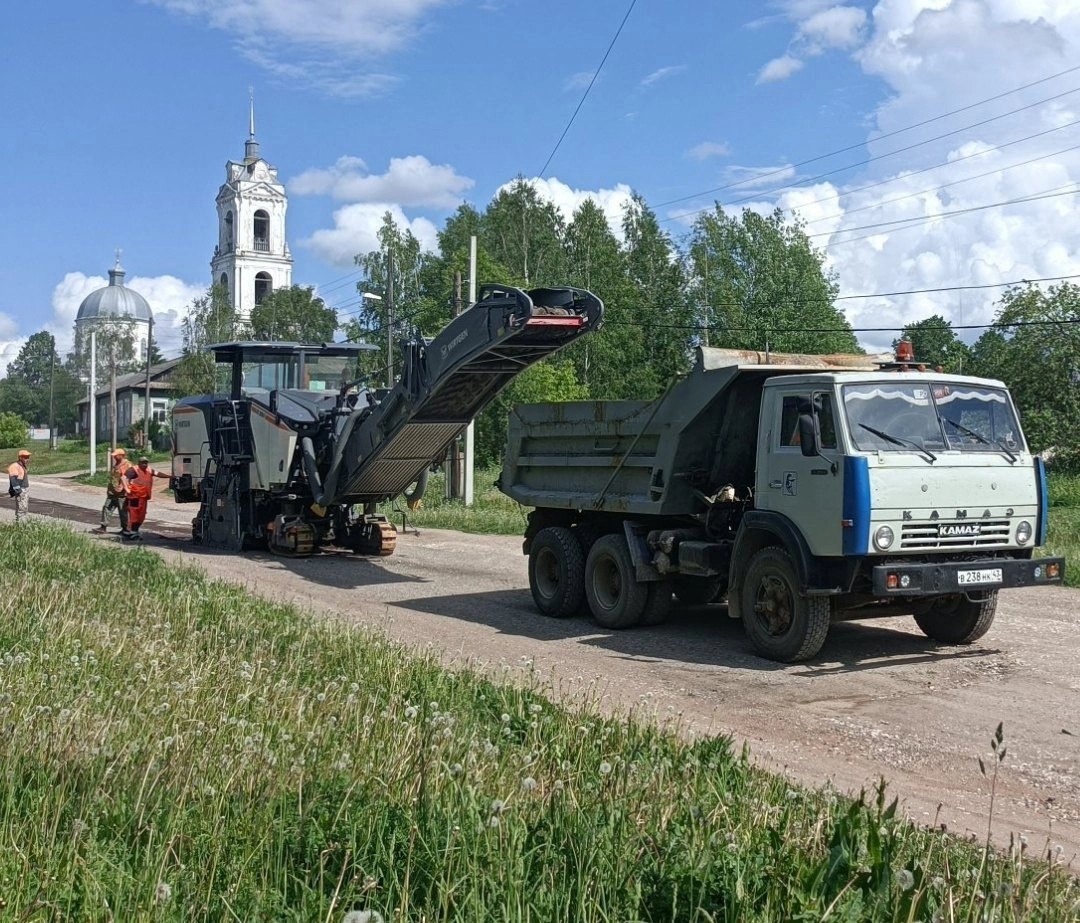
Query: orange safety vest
141,486
17,470
117,479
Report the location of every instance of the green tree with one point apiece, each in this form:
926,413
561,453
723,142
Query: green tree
761,284
13,430
524,233
1036,352
211,318
296,314
400,260
657,296
936,344
610,363
36,378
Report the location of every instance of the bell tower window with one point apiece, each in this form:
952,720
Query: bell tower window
264,285
262,231
224,281
227,237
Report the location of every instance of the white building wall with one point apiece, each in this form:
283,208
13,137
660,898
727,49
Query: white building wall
239,257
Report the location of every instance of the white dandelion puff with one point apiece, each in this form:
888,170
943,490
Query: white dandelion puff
528,784
363,916
410,712
605,768
162,892
905,880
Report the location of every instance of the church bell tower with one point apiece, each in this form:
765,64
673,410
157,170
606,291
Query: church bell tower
252,257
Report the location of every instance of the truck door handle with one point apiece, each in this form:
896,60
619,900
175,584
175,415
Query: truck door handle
776,485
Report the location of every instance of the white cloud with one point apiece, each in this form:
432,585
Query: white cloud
297,38
751,177
356,229
168,296
612,202
662,74
578,81
708,149
836,27
409,181
779,69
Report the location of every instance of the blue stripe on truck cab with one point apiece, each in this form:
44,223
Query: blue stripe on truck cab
1044,502
856,505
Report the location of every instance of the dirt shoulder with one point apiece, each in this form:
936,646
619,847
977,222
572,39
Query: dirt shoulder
879,701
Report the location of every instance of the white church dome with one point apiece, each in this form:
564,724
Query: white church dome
114,300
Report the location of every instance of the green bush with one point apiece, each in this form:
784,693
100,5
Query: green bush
13,430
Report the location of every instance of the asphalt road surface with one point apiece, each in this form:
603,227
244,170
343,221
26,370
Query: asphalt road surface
880,700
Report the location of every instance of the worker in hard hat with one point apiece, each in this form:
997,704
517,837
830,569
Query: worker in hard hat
116,492
19,485
140,487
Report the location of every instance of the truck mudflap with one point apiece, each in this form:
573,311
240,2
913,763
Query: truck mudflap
900,579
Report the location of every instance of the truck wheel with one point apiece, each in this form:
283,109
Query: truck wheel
782,624
957,619
556,572
657,604
697,591
616,599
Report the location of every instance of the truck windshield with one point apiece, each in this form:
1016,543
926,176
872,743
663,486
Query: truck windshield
895,417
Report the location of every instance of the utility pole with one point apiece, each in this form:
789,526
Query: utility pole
93,401
52,389
389,317
112,395
455,486
470,430
146,408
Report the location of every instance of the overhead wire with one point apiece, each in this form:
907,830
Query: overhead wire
861,144
588,89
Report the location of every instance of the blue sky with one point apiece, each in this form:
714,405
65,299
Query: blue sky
118,117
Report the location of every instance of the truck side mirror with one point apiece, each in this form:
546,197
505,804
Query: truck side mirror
809,439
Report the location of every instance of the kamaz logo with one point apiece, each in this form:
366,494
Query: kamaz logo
956,529
456,341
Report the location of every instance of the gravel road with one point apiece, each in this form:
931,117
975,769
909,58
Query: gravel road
880,700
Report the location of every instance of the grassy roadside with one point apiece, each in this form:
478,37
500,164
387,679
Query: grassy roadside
75,456
174,749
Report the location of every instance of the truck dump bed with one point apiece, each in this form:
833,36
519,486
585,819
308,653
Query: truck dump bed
656,457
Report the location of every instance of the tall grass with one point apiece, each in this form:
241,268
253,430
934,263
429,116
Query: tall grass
492,511
174,749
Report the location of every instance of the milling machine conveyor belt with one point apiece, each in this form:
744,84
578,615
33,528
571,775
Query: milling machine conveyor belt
446,382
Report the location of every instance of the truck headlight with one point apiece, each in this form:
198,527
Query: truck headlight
883,538
1023,533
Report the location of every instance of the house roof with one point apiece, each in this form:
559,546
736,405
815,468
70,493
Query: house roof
137,380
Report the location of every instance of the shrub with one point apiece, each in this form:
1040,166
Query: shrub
13,430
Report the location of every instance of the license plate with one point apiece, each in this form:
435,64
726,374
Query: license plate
968,577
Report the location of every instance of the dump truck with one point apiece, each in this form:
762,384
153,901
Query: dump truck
300,450
801,490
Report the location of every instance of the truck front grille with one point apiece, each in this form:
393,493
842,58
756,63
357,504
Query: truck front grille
962,533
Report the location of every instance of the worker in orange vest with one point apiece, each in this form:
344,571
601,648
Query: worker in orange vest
116,492
140,487
19,485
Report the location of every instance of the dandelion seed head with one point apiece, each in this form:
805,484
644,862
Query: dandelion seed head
494,821
605,768
410,713
905,880
535,708
497,805
505,718
528,784
363,916
162,892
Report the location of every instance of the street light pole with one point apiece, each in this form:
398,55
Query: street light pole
389,318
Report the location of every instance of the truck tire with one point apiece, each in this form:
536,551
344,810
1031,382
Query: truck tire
616,599
781,624
957,619
556,572
658,603
697,591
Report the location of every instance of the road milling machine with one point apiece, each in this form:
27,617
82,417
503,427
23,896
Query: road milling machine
300,451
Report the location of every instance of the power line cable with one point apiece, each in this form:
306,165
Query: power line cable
881,137
585,95
813,179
